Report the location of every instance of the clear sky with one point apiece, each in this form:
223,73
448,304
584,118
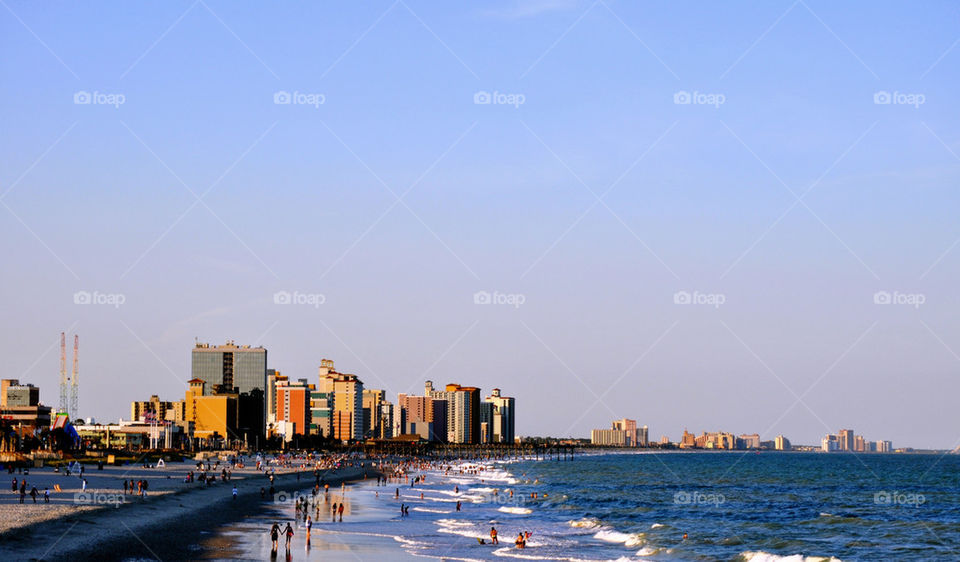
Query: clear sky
782,198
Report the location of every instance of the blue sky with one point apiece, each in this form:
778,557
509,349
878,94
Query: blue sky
789,192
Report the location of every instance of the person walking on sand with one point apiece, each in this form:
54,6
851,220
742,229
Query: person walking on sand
274,535
34,492
334,511
46,495
288,532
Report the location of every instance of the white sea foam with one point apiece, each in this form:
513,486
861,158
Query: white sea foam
428,510
588,523
656,525
515,510
628,539
647,551
761,556
511,552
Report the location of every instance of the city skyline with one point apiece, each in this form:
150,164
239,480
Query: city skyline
739,219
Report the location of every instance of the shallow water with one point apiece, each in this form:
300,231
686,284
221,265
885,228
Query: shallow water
638,506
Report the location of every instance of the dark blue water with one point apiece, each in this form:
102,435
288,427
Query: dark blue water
852,507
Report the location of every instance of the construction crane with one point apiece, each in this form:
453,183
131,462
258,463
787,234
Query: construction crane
63,372
75,380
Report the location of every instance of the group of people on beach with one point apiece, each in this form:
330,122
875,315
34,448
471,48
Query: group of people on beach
34,492
140,486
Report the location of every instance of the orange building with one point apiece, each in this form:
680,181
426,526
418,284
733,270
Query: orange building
293,406
216,413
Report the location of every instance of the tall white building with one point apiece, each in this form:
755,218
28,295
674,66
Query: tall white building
502,419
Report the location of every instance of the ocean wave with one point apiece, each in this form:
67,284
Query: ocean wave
428,510
761,556
453,523
587,523
628,539
647,551
657,525
511,552
410,543
515,510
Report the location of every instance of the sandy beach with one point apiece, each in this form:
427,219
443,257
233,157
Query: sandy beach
166,524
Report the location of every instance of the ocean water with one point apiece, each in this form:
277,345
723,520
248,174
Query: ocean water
730,506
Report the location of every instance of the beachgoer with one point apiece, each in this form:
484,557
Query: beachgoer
340,511
46,495
33,493
458,506
309,526
520,542
234,492
14,486
289,534
397,494
402,510
274,535
493,536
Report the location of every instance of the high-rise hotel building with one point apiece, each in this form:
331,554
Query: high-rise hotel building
346,413
230,367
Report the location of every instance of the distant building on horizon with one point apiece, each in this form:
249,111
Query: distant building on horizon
622,433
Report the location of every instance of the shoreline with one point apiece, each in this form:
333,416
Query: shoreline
171,526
